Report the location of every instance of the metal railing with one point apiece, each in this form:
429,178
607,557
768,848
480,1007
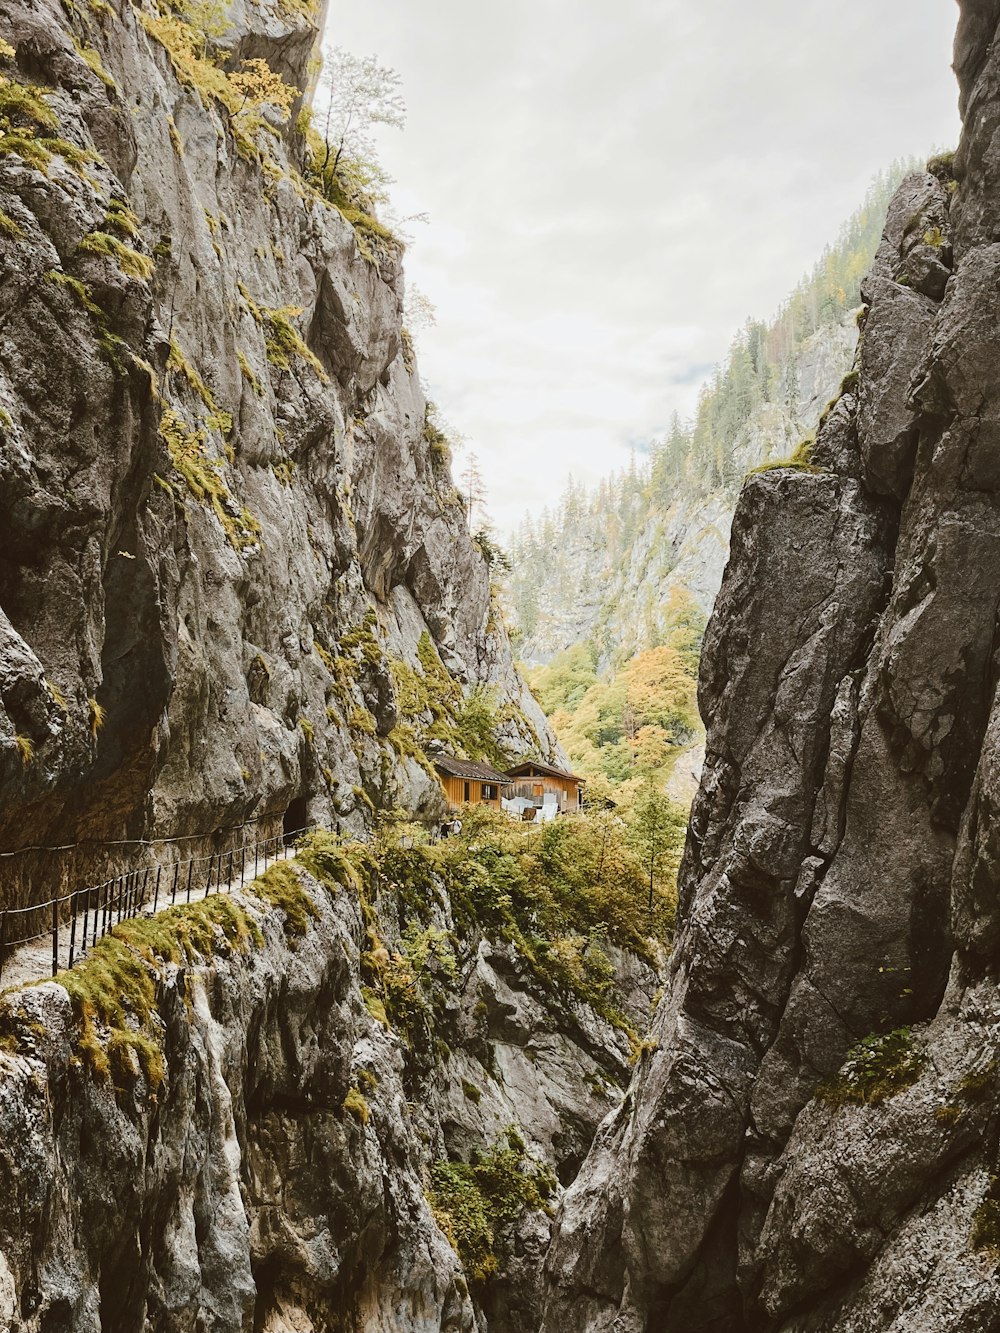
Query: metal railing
96,909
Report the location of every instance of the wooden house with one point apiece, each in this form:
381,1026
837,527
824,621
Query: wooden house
468,783
536,786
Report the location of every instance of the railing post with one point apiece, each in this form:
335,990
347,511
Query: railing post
256,850
229,873
208,885
3,939
72,927
173,891
55,936
243,863
141,900
156,890
190,875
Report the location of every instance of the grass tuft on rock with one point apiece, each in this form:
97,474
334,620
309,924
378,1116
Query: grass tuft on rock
355,1105
187,446
131,262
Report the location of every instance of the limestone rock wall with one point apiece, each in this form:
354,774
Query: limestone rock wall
221,520
277,1178
838,892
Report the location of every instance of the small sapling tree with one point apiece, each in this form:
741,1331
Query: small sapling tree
353,95
655,829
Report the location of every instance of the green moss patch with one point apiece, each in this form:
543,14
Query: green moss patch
800,460
985,1233
329,861
114,987
355,1105
281,887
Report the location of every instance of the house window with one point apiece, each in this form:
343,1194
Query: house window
467,793
489,791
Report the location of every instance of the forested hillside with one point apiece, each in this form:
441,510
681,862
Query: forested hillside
606,566
610,590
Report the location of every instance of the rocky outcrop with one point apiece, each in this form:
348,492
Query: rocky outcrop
222,522
813,1145
257,1150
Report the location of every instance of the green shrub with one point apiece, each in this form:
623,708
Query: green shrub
537,889
433,708
476,1204
875,1069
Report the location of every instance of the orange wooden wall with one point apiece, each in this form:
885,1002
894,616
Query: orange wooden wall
454,790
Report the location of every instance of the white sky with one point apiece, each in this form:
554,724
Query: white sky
614,188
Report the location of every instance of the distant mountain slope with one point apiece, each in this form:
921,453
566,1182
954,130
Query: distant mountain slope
604,565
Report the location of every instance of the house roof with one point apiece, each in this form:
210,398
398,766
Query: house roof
464,768
521,770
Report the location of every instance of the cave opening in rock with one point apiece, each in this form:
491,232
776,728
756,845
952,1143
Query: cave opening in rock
295,818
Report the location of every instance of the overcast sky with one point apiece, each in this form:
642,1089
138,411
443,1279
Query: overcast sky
614,187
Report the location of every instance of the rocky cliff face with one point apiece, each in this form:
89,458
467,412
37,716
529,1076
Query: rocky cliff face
813,1145
223,524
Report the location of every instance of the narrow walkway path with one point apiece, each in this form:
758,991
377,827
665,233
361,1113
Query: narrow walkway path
36,959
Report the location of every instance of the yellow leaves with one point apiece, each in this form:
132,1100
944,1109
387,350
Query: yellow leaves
260,86
7,52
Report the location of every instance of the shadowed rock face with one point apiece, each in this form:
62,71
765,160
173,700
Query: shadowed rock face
840,878
193,619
